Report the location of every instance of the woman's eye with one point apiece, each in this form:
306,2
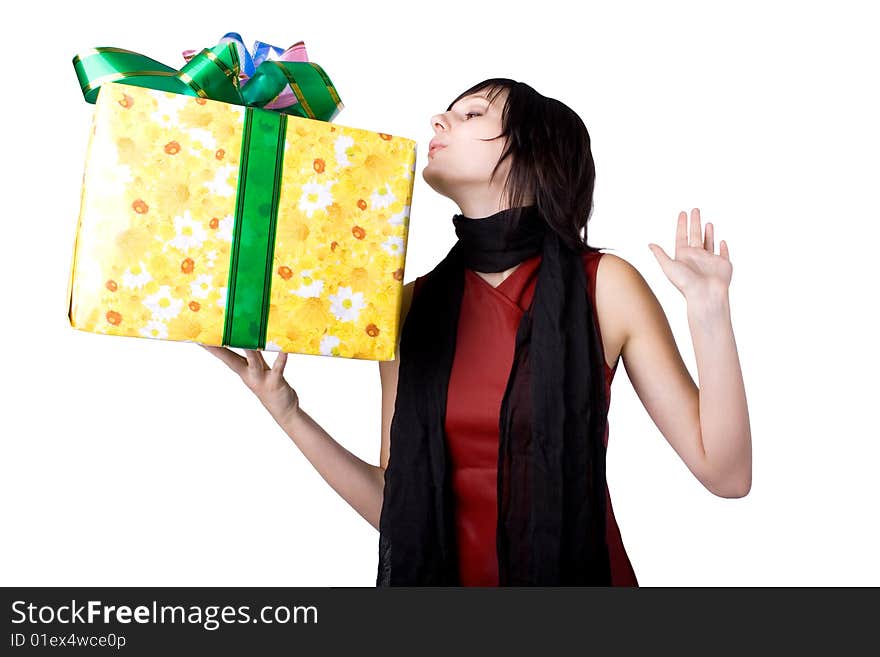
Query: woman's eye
474,113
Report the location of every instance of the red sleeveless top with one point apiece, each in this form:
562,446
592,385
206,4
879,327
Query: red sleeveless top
481,366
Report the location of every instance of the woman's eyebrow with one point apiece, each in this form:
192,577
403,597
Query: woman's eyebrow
467,98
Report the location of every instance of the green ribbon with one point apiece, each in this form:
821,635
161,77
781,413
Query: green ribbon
214,74
253,236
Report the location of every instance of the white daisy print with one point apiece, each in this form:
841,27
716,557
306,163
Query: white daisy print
272,346
190,233
212,256
224,231
382,197
201,287
308,287
163,305
329,344
168,105
340,148
155,329
346,305
315,196
399,219
220,185
221,302
137,279
204,137
394,245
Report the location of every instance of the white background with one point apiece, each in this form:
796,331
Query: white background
131,461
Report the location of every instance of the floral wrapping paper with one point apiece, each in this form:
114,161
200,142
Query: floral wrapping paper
158,205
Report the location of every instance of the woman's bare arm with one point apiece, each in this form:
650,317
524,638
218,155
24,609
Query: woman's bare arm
707,425
361,484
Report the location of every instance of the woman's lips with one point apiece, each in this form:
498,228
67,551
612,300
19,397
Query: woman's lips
434,149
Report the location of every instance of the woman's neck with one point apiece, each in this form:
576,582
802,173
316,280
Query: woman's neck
496,278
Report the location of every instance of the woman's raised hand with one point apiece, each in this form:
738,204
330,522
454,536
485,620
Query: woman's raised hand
696,270
267,383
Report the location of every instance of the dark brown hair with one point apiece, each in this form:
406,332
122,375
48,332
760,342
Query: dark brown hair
551,158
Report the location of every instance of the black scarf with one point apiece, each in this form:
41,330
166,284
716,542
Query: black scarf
551,458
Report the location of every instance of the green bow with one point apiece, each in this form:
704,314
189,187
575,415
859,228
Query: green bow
214,74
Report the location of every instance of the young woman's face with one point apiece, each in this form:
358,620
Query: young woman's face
461,168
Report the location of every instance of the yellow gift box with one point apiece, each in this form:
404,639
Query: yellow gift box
164,249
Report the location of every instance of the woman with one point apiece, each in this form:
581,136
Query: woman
494,415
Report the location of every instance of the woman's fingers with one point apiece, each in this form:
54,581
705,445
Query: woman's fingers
696,238
681,236
252,359
709,239
278,365
255,360
237,363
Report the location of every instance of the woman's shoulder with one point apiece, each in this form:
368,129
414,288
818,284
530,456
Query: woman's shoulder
611,273
618,287
592,260
610,262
